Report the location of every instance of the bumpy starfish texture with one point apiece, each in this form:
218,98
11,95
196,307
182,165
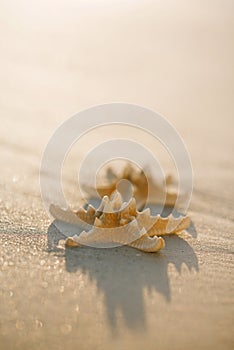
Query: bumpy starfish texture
121,223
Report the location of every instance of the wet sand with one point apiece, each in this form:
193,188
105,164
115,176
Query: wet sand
59,58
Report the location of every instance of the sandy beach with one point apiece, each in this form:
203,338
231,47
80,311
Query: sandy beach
58,58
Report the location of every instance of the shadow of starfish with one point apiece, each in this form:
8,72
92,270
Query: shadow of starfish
123,274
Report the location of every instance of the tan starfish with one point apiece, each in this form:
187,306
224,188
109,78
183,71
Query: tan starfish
120,223
144,188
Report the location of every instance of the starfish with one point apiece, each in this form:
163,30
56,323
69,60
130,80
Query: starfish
143,187
118,222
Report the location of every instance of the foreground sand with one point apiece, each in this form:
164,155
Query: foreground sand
181,298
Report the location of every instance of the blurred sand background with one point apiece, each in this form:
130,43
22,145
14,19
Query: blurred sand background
58,57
